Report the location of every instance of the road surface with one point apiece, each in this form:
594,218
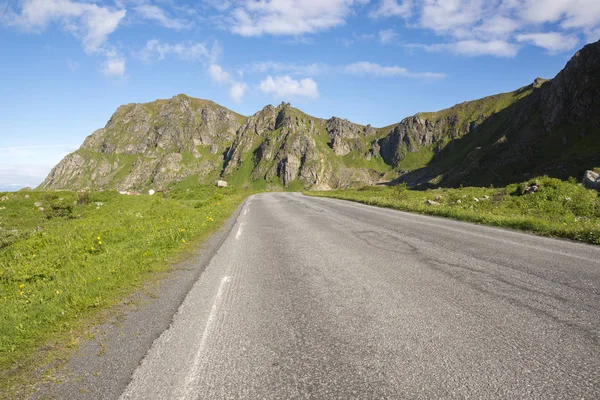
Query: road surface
321,298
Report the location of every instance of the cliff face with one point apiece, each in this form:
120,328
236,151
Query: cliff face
550,126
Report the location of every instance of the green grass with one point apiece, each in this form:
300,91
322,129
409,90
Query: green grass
61,264
355,159
416,160
559,209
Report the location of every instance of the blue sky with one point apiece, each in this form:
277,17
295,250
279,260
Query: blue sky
68,64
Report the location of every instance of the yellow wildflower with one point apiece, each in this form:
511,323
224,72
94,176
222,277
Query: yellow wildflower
21,293
21,286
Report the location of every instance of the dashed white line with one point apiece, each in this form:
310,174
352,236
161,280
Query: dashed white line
193,374
239,231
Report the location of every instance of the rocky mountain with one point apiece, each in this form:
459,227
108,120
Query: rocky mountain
549,127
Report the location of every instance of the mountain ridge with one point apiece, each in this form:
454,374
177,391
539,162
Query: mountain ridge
545,127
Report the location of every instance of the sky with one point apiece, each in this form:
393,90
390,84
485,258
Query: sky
66,65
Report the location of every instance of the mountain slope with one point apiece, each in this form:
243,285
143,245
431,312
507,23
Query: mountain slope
550,127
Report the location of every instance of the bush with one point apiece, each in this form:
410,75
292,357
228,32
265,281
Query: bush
83,198
401,191
59,210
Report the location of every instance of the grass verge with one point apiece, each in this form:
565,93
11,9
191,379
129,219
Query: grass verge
558,208
66,257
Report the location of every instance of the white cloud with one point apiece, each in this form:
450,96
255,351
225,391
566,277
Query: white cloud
570,13
554,42
152,12
288,68
369,68
218,74
391,8
114,67
474,48
155,49
499,28
387,36
289,17
237,90
284,87
89,23
445,16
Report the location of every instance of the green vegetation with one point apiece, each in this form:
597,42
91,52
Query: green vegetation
416,160
66,255
558,208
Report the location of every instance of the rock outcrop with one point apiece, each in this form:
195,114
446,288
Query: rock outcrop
548,127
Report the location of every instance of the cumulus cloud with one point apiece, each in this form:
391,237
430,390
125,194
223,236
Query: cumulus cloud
289,17
284,87
501,28
218,74
392,8
89,23
114,67
237,90
387,36
154,13
373,69
554,42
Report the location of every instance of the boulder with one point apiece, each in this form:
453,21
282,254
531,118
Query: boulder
591,180
37,204
221,183
431,203
151,192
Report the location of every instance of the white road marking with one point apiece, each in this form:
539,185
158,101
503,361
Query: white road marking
245,210
239,231
193,374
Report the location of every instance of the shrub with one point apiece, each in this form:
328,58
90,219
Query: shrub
59,210
401,191
83,198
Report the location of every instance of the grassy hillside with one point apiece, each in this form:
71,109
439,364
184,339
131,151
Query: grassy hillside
72,254
558,209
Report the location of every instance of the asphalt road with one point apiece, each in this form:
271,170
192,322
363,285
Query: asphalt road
326,299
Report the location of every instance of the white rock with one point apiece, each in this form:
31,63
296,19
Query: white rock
151,192
221,183
476,199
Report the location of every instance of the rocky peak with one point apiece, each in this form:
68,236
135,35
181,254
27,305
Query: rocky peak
572,96
538,82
